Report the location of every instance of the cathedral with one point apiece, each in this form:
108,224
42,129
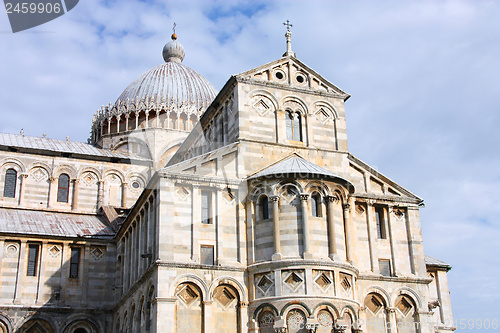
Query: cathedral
197,210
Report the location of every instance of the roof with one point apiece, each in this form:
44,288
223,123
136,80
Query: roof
429,261
44,223
59,146
295,164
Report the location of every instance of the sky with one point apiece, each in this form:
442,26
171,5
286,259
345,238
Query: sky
424,77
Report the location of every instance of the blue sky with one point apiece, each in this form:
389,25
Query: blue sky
424,78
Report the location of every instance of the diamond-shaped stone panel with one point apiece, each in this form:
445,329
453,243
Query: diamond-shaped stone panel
323,281
264,284
54,251
224,296
97,252
293,280
188,295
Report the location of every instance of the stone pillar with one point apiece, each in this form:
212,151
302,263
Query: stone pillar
21,272
146,125
22,188
109,125
371,237
207,316
276,224
217,217
136,120
52,192
243,309
126,122
332,242
348,233
195,223
251,219
157,118
41,274
392,242
100,193
391,319
305,224
84,276
124,194
74,204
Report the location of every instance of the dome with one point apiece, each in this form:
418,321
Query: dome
172,81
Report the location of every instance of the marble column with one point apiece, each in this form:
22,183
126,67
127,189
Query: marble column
74,204
305,224
348,233
124,194
332,242
392,241
52,192
22,189
276,225
100,194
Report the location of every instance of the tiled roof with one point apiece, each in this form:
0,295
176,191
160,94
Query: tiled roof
60,146
296,165
43,223
429,261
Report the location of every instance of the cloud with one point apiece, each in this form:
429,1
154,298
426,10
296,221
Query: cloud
424,78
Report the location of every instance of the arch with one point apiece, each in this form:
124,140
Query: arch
43,323
407,315
228,280
282,186
349,309
136,175
380,291
295,103
67,169
408,292
189,278
262,307
261,188
326,305
89,169
264,93
326,105
77,321
226,307
317,186
14,163
42,165
296,320
5,323
116,172
299,305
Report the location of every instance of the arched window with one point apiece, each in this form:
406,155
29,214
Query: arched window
9,187
63,188
316,205
264,207
406,315
293,126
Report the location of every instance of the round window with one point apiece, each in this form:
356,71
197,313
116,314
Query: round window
279,75
136,185
300,79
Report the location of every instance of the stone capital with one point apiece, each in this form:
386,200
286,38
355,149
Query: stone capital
332,198
274,198
304,196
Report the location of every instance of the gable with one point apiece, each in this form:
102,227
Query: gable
371,183
292,73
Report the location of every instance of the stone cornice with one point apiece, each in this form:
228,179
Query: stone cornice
406,279
301,262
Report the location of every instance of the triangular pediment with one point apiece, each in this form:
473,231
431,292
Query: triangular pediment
291,72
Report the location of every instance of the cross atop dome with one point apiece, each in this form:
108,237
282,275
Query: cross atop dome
288,36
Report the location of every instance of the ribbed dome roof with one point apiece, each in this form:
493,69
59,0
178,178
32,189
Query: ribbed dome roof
171,81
